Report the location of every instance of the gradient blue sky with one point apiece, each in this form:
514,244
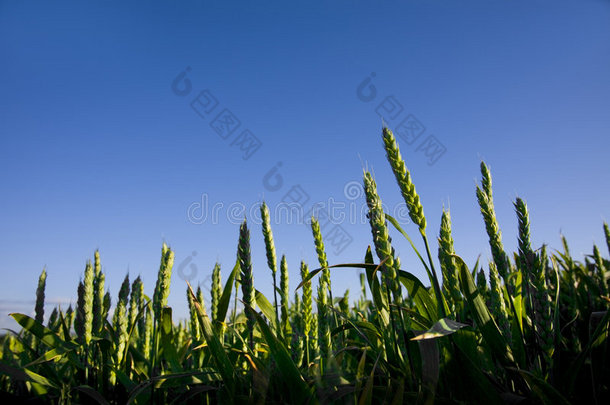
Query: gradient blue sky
99,152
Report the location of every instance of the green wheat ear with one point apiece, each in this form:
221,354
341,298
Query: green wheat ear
448,267
39,309
88,302
163,280
403,178
307,301
381,238
216,291
135,302
194,321
284,295
79,319
270,251
484,197
321,251
245,265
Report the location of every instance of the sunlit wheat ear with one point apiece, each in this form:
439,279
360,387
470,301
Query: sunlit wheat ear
39,309
601,271
200,299
107,304
135,302
320,250
486,180
120,324
245,265
497,303
493,232
147,331
216,291
525,243
98,302
268,236
88,302
448,267
381,237
163,280
270,251
403,177
194,321
307,301
284,293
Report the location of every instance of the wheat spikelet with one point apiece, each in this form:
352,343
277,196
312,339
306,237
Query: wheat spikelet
494,233
123,296
270,251
403,177
601,271
284,297
98,301
216,292
245,265
486,180
321,251
448,268
381,238
120,325
307,301
200,299
526,255
88,302
194,321
135,302
542,306
163,280
79,319
497,303
107,304
39,309
147,330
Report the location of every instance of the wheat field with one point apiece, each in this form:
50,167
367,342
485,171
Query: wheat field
530,326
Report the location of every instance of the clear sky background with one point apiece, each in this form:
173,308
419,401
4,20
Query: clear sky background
98,150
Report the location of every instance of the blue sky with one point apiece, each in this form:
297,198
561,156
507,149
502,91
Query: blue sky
99,150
